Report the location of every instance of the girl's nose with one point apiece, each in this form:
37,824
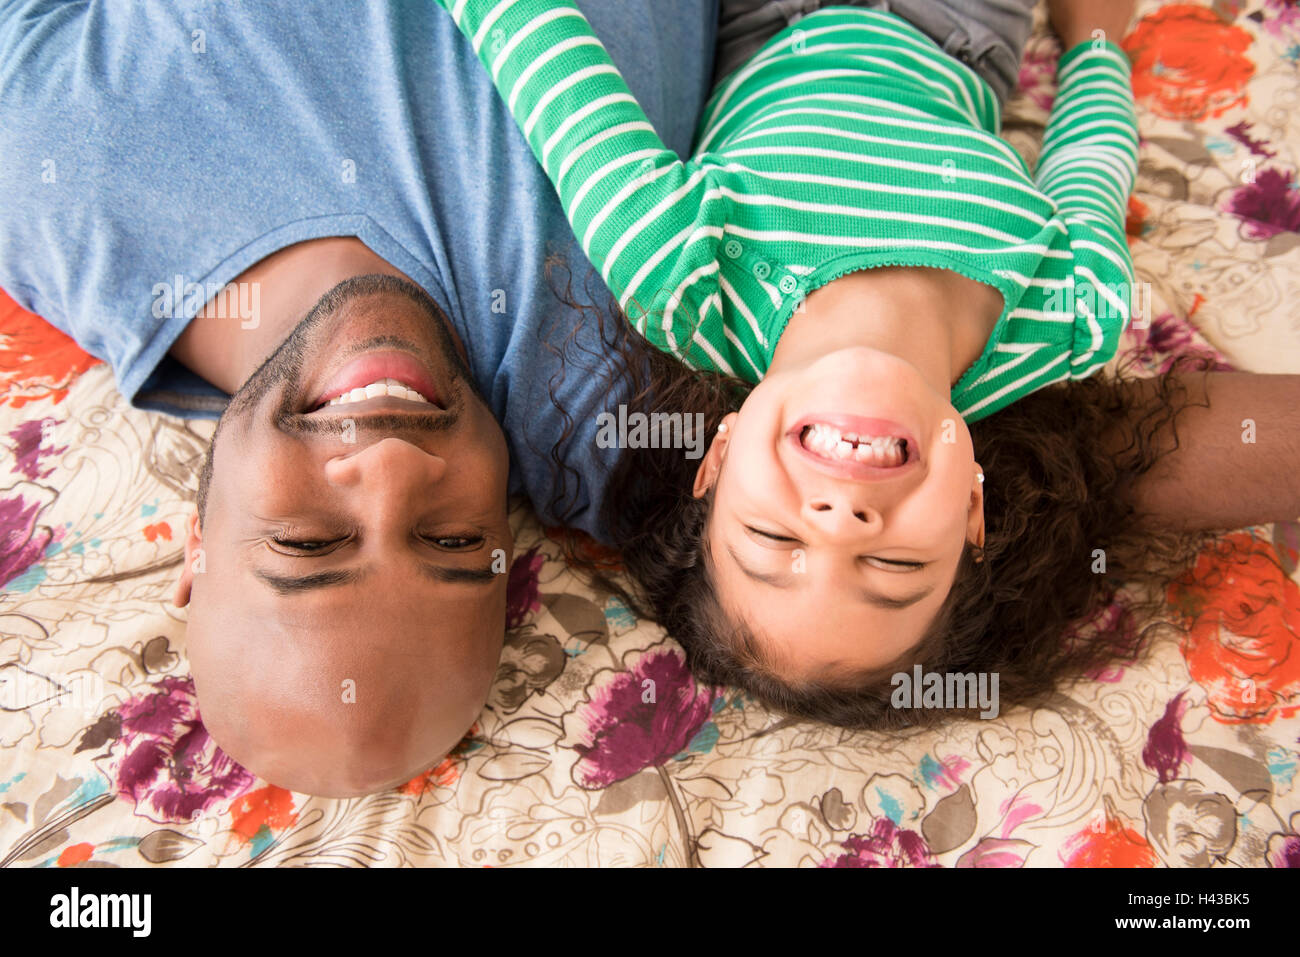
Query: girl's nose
838,516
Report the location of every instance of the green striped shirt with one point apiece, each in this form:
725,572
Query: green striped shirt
850,140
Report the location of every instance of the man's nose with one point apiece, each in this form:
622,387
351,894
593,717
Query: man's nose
391,466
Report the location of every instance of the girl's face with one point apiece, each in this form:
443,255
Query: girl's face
834,557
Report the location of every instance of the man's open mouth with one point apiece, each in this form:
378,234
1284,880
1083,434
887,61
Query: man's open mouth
390,380
385,387
878,451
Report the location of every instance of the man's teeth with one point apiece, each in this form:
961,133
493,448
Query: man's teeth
382,387
829,442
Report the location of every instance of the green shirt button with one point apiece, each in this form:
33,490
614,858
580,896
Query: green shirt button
787,284
733,248
762,270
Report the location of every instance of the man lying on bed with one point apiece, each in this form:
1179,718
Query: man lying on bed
338,194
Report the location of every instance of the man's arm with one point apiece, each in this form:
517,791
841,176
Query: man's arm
1237,461
1238,457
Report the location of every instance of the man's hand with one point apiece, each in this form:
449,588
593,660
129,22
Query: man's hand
1076,20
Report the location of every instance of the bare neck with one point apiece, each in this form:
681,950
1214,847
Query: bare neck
938,320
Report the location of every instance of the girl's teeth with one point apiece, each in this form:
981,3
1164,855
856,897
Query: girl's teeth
879,451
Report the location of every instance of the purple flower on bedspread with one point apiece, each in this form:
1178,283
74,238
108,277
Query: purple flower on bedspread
522,598
1284,847
1174,337
1166,750
170,766
26,443
22,543
1037,78
886,846
1268,206
1171,336
1113,623
642,718
1280,16
1241,133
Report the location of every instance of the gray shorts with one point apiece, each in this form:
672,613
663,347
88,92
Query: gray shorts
986,35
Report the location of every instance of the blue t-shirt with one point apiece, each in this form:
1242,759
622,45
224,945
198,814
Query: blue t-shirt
145,140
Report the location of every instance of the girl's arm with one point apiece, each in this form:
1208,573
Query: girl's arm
625,193
1087,167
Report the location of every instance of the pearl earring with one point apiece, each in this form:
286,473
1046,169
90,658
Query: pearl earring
981,477
722,426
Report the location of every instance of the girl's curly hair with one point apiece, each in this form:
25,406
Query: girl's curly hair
1043,605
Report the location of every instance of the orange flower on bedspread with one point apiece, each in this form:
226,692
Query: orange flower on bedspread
1188,64
75,854
447,771
442,775
1114,845
37,361
259,814
1135,223
1243,642
160,530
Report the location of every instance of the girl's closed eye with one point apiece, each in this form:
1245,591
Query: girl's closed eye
897,563
770,535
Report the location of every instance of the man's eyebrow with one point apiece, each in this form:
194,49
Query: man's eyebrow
296,584
868,596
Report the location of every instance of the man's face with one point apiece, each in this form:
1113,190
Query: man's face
346,574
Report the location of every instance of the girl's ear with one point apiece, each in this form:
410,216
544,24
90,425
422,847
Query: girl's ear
975,518
710,465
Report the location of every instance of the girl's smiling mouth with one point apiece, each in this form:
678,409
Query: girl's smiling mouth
855,448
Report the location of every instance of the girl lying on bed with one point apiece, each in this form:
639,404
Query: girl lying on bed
853,239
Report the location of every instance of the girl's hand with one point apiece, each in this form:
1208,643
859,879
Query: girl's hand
1076,21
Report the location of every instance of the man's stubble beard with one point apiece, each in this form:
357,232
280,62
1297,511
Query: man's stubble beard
283,367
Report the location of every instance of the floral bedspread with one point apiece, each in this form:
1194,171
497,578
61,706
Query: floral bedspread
1187,758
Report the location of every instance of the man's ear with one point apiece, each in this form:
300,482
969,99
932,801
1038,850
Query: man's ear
707,473
975,519
194,559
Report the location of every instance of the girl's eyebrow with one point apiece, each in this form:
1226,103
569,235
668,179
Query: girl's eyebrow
868,596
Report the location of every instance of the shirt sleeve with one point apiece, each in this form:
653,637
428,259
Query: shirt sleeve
1087,167
631,201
